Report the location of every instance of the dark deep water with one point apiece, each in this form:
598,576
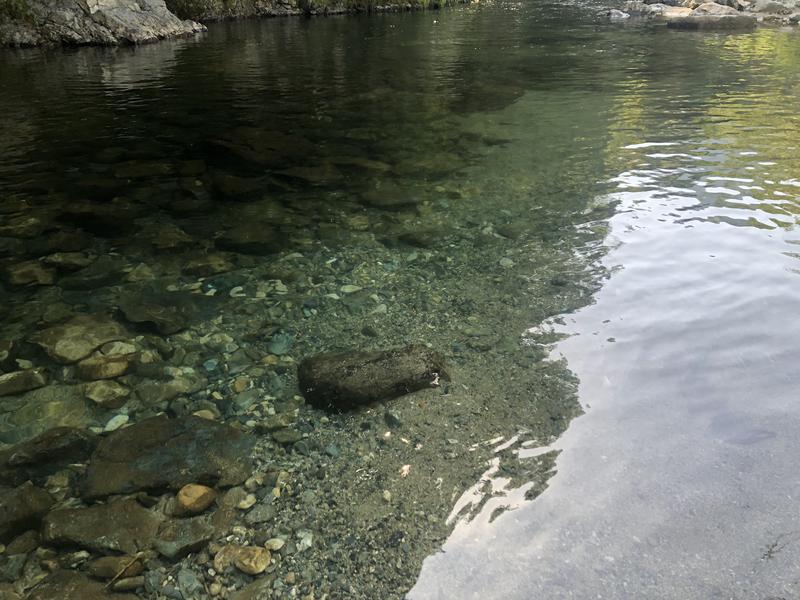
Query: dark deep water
504,181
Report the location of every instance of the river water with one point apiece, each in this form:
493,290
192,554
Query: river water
582,216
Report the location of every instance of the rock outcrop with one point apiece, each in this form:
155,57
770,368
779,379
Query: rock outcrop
78,22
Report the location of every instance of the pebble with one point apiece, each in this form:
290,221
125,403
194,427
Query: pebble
252,560
248,502
506,263
387,495
350,289
205,414
274,544
116,422
195,498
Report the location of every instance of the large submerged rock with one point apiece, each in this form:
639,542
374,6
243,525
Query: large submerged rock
350,379
78,22
165,454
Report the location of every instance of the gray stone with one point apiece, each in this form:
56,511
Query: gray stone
21,509
180,537
261,513
45,454
100,22
11,566
165,454
22,381
349,379
190,585
119,526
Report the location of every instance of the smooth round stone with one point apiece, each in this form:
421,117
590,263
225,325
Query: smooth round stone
195,498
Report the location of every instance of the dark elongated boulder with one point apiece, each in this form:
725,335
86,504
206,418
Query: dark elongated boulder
45,454
350,379
161,454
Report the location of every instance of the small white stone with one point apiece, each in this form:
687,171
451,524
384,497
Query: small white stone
116,422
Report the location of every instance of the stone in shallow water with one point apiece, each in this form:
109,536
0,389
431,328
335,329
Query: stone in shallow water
105,271
70,585
180,537
350,379
22,381
69,261
119,526
44,408
166,454
78,337
30,272
100,366
46,454
21,508
108,394
167,312
209,264
108,567
251,238
193,498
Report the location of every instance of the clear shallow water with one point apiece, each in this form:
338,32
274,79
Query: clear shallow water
679,481
651,174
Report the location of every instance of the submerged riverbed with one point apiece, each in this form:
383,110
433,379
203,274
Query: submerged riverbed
577,216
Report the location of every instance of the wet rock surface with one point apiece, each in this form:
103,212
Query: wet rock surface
161,453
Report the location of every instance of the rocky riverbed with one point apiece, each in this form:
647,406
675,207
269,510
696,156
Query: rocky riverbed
217,386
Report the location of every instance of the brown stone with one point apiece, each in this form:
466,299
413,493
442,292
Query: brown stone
108,394
128,584
70,585
22,381
101,366
30,272
119,526
108,567
350,379
252,560
78,337
21,509
194,498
